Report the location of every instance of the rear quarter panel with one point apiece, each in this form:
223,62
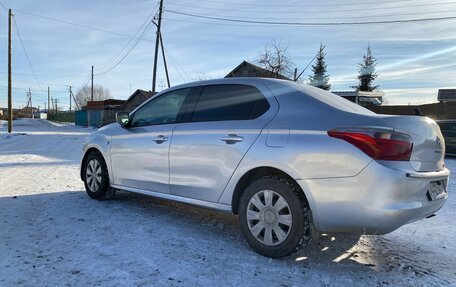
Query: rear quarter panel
306,155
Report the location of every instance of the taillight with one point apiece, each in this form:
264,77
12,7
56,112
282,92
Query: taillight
379,144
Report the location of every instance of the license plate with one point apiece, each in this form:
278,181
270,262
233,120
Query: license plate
437,190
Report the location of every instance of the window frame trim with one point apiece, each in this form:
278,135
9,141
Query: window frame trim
197,95
180,113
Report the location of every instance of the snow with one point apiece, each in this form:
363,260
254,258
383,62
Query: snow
53,234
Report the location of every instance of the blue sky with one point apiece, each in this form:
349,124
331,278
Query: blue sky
414,59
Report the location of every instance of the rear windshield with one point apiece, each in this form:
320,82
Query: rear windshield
447,126
333,100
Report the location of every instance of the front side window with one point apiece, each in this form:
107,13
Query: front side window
229,102
163,110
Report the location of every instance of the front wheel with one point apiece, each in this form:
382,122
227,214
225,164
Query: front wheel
96,178
274,220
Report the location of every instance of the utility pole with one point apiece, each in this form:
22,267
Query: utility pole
31,104
10,104
74,99
70,98
49,105
164,60
92,87
154,79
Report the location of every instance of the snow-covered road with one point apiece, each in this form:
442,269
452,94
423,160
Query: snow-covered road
52,234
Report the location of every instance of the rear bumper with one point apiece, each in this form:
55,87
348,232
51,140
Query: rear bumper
378,200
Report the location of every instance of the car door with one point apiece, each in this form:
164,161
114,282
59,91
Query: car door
205,151
139,154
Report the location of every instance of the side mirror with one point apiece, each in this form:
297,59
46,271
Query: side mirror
123,118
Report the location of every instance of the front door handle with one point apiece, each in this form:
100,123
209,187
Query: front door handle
160,139
232,139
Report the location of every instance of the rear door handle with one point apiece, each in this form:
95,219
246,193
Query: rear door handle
232,139
160,139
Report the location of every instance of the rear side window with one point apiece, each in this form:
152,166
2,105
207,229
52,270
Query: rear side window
451,127
444,126
229,102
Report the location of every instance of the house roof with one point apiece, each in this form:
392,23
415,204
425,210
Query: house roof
447,95
254,71
138,92
100,105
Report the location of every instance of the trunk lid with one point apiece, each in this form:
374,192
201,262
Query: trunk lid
428,144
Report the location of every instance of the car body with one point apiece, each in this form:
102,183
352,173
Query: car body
448,128
208,156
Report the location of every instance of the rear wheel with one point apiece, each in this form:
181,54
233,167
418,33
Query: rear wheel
274,220
96,178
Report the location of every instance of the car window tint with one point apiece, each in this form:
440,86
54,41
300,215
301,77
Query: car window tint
443,126
452,127
162,110
229,102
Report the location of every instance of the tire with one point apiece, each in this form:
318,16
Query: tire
96,177
267,228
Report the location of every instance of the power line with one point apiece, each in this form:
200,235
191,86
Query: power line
77,25
26,54
121,51
178,69
305,5
350,17
314,11
146,29
311,23
4,7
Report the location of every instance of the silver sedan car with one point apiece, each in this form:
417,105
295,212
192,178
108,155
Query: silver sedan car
290,160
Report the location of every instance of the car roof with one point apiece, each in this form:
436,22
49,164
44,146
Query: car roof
282,86
234,80
451,121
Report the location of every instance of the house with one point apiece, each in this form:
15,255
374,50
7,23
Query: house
100,113
136,99
27,112
246,69
4,113
446,95
362,98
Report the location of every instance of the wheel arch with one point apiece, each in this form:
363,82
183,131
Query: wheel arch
84,158
257,173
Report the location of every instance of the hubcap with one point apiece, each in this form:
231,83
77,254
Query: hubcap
269,217
93,175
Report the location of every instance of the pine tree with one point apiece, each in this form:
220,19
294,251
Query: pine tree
319,78
367,73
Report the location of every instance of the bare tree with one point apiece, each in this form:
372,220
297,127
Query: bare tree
200,76
84,94
275,59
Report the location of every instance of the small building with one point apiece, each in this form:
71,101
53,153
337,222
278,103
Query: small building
40,115
446,95
27,112
246,69
136,99
4,113
362,98
100,113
